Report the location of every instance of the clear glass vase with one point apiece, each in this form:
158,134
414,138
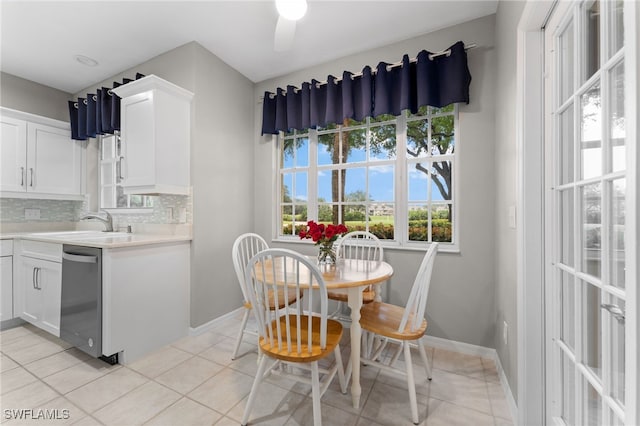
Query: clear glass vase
326,254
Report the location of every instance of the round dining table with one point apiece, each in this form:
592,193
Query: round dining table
350,276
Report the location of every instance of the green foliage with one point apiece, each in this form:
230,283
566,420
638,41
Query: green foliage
354,215
418,229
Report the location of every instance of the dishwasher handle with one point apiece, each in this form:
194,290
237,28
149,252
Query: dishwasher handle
81,258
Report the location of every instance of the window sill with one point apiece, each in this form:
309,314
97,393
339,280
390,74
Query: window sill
444,248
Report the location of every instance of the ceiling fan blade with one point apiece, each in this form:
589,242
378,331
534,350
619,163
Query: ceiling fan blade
285,31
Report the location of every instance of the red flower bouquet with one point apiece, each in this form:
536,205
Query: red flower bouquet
324,236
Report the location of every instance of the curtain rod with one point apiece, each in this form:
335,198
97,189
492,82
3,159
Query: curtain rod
389,67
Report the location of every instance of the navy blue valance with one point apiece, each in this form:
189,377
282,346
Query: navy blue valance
432,79
97,113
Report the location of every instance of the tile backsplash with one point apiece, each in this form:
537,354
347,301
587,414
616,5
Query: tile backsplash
13,210
166,210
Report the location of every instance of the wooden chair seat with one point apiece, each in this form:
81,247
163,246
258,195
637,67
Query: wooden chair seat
368,296
284,353
384,319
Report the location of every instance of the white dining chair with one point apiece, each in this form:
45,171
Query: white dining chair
358,245
298,337
396,329
244,248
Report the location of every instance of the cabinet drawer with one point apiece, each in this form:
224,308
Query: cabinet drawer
42,250
6,247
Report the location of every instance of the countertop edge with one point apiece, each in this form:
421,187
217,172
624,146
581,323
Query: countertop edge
135,240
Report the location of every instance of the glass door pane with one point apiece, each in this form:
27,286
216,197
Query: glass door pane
592,404
591,133
591,329
589,276
591,229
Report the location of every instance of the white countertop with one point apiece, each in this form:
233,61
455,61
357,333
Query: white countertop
97,238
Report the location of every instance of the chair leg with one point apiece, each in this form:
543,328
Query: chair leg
340,366
245,317
254,390
315,390
425,360
411,382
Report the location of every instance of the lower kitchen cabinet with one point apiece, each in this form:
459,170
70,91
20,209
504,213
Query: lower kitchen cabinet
6,280
38,292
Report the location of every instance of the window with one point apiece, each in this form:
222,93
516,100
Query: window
392,176
112,195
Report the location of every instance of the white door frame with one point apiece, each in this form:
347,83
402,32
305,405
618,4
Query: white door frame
531,214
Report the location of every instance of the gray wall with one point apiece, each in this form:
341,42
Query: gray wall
28,96
507,18
462,297
221,146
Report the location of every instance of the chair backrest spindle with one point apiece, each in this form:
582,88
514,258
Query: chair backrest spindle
417,302
276,273
244,248
360,245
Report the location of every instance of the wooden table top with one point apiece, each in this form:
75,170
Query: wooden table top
346,273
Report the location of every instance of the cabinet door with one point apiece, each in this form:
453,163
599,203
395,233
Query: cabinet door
54,160
13,154
41,286
49,281
30,297
6,288
138,139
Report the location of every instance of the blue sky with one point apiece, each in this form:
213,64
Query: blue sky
381,178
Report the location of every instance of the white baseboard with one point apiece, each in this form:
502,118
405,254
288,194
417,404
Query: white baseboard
208,325
461,347
481,351
513,406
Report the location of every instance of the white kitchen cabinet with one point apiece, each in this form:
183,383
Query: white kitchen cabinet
38,158
145,298
156,136
6,280
39,288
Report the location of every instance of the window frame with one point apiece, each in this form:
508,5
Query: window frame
401,166
114,183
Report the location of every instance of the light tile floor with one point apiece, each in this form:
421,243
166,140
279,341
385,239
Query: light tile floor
194,382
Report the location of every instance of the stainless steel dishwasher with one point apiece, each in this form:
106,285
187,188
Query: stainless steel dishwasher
81,306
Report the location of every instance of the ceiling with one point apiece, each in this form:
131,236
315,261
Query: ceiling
39,40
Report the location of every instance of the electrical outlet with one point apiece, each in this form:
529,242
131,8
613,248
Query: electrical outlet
32,214
505,332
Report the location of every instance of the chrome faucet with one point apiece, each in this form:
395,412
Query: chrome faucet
108,222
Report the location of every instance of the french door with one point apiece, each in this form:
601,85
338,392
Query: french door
587,241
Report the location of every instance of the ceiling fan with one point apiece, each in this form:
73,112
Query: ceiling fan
290,11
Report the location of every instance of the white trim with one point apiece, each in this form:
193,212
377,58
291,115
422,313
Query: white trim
632,234
21,115
196,331
530,210
460,347
513,406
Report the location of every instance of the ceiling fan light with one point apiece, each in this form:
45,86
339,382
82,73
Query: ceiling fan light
291,9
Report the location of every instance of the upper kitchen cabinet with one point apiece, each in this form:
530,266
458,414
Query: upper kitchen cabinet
156,136
38,158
